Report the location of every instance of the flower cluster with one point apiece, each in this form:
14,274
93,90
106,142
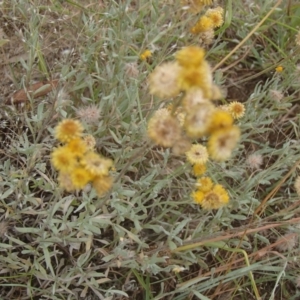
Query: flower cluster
208,195
76,160
193,115
212,19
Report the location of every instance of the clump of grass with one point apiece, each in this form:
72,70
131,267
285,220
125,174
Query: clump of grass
147,239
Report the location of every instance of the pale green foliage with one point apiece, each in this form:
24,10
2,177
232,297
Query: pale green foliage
57,245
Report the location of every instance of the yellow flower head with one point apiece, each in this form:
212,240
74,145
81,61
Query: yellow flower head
222,142
65,181
67,130
197,154
279,69
204,24
164,129
102,184
90,142
80,177
163,81
216,16
191,56
236,109
213,199
197,122
220,119
197,77
146,54
63,159
204,184
96,164
77,146
199,169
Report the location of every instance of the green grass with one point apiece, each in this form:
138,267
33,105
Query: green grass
125,245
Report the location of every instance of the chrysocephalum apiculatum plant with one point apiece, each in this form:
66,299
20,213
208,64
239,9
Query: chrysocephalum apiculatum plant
77,162
193,116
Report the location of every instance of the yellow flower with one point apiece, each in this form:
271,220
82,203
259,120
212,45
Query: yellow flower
67,130
197,121
197,77
77,146
163,81
220,119
63,159
216,16
80,177
213,199
65,181
191,56
222,142
164,129
199,169
197,154
146,54
279,69
204,24
204,184
96,164
236,109
102,184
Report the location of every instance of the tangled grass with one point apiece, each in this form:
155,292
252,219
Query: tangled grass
146,239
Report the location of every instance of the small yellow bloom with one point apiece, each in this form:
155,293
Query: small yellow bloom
222,142
96,164
77,146
63,159
197,154
197,77
67,130
220,119
102,184
213,199
80,177
204,184
204,24
163,81
279,69
146,54
199,169
216,16
164,129
236,109
191,56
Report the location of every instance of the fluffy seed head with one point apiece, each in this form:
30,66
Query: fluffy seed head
181,145
254,161
222,142
65,181
96,164
163,81
287,242
131,70
89,141
89,114
102,184
276,95
207,37
192,99
164,129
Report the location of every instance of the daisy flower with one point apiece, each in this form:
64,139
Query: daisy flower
96,164
67,130
80,177
236,109
197,154
63,159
